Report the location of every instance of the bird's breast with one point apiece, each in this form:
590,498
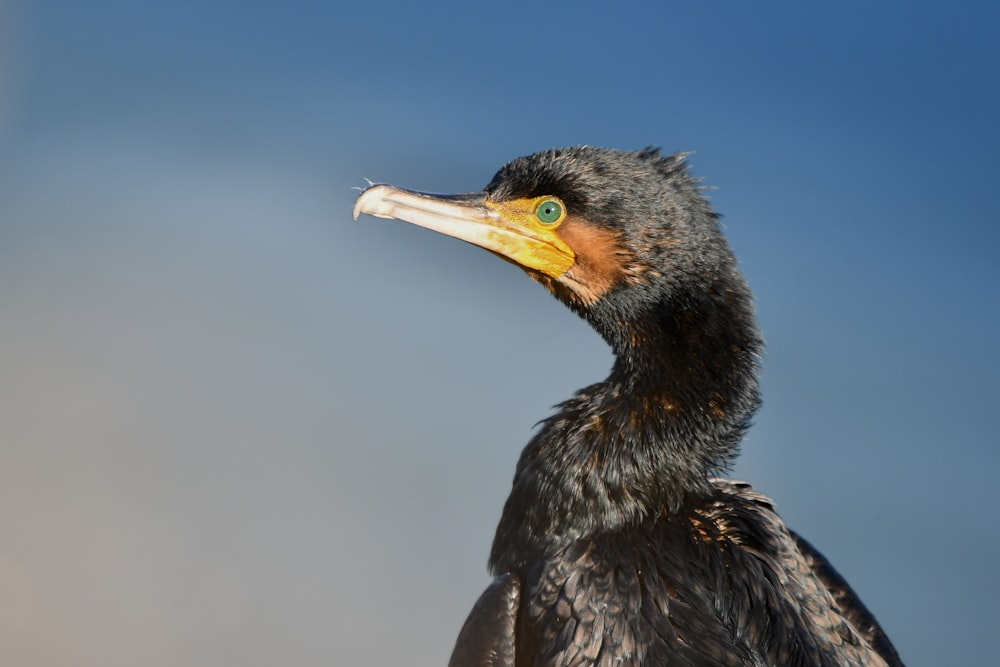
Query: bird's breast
637,596
721,583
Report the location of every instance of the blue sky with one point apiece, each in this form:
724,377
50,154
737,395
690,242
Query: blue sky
240,428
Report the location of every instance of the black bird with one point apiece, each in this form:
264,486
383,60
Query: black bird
618,545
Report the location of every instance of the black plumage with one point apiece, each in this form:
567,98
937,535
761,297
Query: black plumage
618,545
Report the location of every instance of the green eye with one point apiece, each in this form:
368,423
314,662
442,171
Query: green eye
549,211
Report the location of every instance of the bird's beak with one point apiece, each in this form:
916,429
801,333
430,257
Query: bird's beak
502,228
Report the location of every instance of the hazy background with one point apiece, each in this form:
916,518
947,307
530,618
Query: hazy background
239,428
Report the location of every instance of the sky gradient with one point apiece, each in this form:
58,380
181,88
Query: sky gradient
239,428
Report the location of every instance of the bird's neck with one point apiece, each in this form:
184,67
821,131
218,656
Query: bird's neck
646,440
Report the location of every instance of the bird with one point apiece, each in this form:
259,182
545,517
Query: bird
621,543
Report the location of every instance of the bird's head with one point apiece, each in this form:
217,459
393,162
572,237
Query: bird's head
628,241
623,238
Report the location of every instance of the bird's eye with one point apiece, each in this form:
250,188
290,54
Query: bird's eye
549,211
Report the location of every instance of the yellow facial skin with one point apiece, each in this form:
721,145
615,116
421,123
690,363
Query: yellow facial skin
521,230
